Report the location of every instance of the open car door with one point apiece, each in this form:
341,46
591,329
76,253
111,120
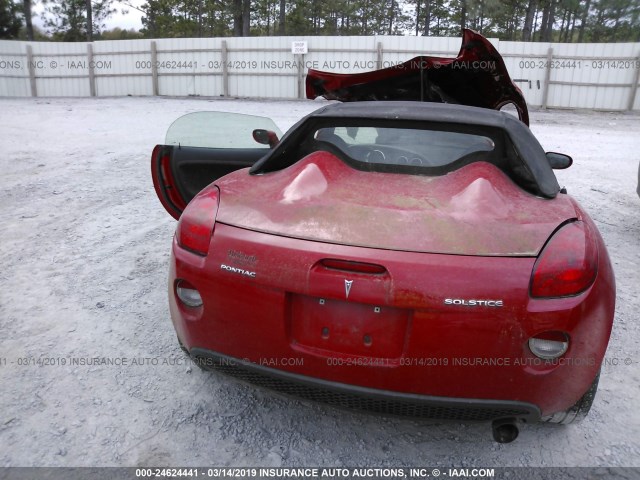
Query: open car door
201,147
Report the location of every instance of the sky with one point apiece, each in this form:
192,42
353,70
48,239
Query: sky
127,21
130,20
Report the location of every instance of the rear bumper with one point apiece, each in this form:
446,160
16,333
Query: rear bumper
428,351
367,399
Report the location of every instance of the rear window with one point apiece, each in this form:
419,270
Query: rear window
416,147
400,146
395,145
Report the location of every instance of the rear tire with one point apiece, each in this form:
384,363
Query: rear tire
579,411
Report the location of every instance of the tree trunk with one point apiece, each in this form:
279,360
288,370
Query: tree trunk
534,30
246,17
347,20
548,33
427,17
528,20
597,31
463,14
237,18
583,22
268,15
316,19
514,25
282,17
418,2
573,26
89,21
543,22
568,26
564,20
26,5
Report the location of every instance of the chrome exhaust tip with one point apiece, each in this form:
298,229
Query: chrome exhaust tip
505,430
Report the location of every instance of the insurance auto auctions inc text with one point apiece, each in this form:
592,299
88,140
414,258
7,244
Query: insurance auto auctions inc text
333,473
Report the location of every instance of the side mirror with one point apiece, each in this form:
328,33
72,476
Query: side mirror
265,137
559,161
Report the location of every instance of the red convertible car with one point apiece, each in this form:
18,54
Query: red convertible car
398,257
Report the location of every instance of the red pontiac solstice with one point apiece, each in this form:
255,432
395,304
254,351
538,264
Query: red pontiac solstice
398,257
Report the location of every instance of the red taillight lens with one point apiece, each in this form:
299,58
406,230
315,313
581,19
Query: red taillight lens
568,263
197,221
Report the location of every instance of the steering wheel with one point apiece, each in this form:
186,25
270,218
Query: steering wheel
373,153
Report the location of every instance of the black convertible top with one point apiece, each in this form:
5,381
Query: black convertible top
399,110
544,182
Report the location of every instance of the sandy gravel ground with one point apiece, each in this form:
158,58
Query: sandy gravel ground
84,252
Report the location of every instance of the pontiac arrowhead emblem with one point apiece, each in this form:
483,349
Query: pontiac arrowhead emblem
347,287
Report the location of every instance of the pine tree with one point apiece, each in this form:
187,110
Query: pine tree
10,22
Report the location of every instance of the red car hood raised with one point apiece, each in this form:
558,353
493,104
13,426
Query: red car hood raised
476,210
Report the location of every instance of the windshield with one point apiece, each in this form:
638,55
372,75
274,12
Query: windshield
405,146
218,130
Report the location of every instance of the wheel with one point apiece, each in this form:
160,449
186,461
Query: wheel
579,410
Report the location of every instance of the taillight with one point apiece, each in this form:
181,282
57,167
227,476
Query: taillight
568,263
197,221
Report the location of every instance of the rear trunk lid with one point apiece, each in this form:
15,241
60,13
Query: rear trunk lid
476,210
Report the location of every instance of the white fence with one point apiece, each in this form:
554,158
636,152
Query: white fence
592,76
